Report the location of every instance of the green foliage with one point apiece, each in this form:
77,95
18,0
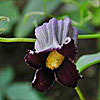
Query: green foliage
96,16
16,91
8,9
23,91
87,60
22,30
1,98
6,76
3,18
79,13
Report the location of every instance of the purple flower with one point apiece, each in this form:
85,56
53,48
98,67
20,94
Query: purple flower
53,58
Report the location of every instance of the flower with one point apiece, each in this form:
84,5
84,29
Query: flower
53,57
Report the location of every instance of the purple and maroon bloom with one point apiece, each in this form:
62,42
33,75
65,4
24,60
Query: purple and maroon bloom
53,57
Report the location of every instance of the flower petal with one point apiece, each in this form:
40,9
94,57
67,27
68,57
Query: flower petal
43,79
52,35
47,36
73,33
67,74
35,60
68,50
75,36
65,31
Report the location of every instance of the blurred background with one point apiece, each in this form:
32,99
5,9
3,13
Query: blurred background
25,15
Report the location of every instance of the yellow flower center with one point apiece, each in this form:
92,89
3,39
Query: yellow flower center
54,60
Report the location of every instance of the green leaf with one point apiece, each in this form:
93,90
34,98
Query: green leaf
6,76
1,98
8,9
22,30
96,16
87,60
23,91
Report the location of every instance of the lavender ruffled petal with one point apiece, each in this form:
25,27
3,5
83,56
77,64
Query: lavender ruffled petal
75,36
54,34
66,27
73,33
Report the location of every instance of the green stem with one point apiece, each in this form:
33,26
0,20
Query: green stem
33,40
26,17
3,29
79,93
89,36
4,18
45,8
17,40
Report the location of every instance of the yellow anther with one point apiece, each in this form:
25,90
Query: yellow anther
54,60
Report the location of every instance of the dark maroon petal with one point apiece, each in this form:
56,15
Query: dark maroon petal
43,79
35,60
68,50
67,74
